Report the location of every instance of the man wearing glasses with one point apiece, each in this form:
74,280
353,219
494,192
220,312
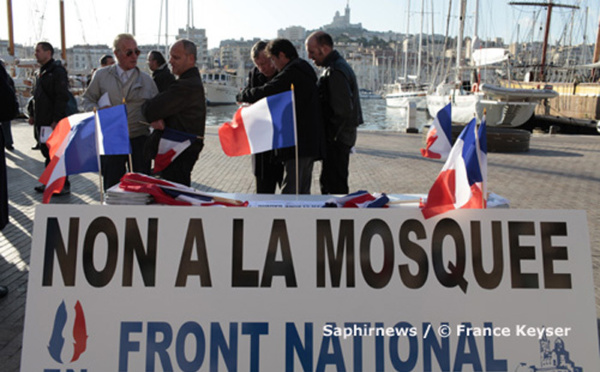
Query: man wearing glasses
120,83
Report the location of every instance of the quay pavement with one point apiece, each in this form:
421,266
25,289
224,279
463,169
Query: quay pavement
559,172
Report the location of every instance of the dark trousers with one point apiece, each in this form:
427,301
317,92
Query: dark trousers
180,170
268,172
334,173
114,167
3,186
8,140
305,169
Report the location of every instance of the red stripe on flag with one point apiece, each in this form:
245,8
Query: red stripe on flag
233,137
53,188
161,161
441,197
431,138
59,133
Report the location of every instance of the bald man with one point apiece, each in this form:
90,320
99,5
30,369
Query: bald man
182,106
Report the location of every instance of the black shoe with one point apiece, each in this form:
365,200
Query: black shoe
65,191
3,291
10,147
40,188
36,147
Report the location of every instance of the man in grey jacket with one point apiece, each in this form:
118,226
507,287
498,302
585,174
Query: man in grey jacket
121,83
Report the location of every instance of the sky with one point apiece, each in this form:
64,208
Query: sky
99,21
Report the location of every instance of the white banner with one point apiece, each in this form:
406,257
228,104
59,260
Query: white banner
157,288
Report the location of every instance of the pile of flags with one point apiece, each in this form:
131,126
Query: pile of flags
172,193
359,199
462,183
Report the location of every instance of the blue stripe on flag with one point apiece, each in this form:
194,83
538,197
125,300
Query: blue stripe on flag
469,153
445,119
113,123
177,136
282,115
80,154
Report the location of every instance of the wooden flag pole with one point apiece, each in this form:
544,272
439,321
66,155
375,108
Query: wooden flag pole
295,143
130,159
477,151
97,124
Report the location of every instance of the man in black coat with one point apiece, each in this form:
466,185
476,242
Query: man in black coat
181,107
342,113
160,70
268,170
310,137
9,108
50,97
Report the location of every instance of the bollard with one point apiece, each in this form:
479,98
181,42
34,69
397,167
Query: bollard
411,117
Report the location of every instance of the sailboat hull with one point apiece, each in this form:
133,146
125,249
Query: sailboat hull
402,100
464,107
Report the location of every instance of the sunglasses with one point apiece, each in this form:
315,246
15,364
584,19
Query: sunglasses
129,52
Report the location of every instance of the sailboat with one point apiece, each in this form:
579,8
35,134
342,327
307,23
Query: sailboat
503,106
578,103
408,89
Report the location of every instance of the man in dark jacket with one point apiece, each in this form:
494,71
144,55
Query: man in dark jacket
9,108
181,107
297,72
340,105
50,97
268,170
160,70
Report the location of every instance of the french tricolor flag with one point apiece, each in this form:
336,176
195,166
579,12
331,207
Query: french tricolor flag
265,125
439,136
74,147
172,144
462,183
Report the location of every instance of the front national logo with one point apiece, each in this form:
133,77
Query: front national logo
57,340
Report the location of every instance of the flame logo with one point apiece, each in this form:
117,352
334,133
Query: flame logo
57,341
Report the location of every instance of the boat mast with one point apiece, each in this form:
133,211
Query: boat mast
476,26
63,42
407,43
463,8
130,17
11,41
549,5
596,53
420,42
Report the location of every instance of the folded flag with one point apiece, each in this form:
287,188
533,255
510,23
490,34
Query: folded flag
462,182
439,137
265,125
73,145
172,193
172,144
359,199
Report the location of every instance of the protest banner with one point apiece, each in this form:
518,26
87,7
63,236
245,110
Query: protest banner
157,288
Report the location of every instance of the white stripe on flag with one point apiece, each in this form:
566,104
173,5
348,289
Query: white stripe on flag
259,126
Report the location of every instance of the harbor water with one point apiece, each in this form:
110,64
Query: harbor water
376,114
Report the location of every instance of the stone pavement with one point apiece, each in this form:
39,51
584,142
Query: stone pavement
559,172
